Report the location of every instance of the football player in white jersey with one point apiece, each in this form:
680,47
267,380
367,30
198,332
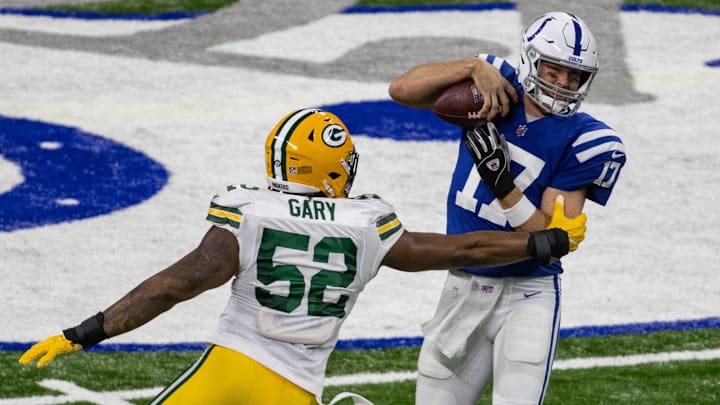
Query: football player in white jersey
535,147
298,252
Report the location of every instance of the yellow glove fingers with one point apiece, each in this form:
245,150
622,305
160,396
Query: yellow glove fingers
48,349
30,354
47,358
37,350
575,227
577,234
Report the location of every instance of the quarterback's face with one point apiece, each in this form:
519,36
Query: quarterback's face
559,75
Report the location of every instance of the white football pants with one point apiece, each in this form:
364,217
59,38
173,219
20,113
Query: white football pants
505,329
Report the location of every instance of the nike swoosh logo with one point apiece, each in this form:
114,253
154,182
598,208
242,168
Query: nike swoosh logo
531,294
616,154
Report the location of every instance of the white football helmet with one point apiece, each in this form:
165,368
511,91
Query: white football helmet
563,39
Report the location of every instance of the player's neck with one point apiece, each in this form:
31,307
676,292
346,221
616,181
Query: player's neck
532,109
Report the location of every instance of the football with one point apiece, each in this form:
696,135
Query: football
460,104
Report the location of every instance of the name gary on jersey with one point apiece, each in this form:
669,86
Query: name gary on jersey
312,209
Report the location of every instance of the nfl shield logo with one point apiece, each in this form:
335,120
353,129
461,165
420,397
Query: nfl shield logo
493,165
521,130
292,170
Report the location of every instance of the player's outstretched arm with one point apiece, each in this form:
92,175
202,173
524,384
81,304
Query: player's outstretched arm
209,265
417,251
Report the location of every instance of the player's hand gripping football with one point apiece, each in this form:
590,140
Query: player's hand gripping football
575,227
490,152
48,349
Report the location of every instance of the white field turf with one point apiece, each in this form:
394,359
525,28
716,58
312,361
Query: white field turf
650,255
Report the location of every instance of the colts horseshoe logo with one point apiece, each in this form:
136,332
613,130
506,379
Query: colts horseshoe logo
67,174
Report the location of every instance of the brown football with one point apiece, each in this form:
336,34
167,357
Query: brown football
460,104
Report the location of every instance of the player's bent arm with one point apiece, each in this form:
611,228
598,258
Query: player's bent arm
209,265
486,144
417,251
420,86
574,202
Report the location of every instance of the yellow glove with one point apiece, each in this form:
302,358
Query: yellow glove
575,227
48,349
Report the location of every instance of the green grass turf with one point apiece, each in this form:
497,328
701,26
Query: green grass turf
681,382
672,383
95,371
166,6
144,7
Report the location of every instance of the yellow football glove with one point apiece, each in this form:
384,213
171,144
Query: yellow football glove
48,349
575,227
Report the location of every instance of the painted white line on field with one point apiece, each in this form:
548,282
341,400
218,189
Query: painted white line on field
619,361
570,364
370,378
74,393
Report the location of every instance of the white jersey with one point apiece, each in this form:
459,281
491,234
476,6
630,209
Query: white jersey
303,262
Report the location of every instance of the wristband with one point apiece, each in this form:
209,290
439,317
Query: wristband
544,245
89,333
519,213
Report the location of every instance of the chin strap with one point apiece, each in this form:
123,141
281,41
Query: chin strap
328,189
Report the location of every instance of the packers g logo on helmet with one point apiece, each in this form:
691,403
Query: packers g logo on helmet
310,152
334,135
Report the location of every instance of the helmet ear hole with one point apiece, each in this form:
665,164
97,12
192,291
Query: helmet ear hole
584,77
333,175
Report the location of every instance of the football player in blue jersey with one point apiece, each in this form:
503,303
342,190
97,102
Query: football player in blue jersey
299,251
502,322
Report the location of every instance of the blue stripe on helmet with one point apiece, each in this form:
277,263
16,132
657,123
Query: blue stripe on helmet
530,38
578,38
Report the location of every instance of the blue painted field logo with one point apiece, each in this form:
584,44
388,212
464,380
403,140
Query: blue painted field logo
387,119
69,174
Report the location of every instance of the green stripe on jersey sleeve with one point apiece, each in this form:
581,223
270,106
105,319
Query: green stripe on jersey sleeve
222,215
388,225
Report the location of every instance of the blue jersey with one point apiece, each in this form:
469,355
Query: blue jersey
566,153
